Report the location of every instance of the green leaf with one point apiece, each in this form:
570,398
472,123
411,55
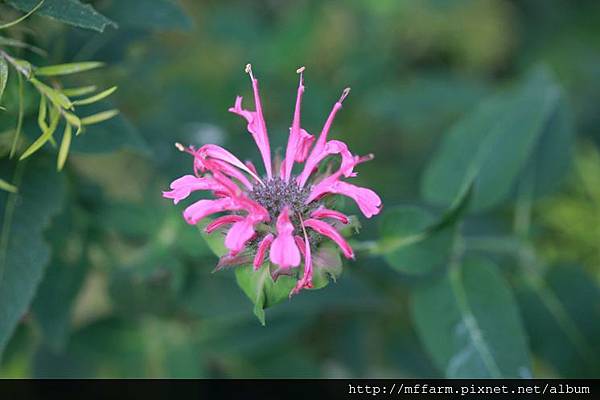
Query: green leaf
7,186
24,253
67,69
162,15
407,247
55,298
23,45
553,153
17,134
492,144
53,95
99,117
45,136
23,17
261,289
79,91
214,240
469,323
96,97
566,303
72,12
3,76
63,152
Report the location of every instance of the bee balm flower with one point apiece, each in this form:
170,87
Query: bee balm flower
279,216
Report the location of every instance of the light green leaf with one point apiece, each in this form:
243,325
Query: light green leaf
24,253
22,18
492,144
469,323
63,152
67,69
45,136
79,91
97,97
23,45
53,95
7,186
17,134
100,117
261,289
3,76
72,12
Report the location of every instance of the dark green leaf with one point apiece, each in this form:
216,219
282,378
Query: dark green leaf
492,144
565,303
72,12
469,323
160,15
24,253
408,247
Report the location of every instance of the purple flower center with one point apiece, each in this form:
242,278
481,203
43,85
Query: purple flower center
276,194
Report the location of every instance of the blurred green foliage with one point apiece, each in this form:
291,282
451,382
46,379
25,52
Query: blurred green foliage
481,114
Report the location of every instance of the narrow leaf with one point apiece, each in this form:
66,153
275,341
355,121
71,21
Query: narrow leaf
53,95
3,76
7,186
79,91
64,147
96,97
66,69
45,136
18,20
15,142
100,117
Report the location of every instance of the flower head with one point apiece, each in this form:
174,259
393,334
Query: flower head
280,216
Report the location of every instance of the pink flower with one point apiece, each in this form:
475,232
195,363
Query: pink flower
279,216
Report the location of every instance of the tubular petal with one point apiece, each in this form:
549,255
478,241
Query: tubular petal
284,251
327,230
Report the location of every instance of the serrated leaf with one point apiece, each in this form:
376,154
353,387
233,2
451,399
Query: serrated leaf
24,253
67,69
469,323
72,12
492,144
100,117
261,289
95,98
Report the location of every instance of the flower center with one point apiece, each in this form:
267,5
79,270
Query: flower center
276,194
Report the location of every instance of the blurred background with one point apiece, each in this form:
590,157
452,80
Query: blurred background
128,290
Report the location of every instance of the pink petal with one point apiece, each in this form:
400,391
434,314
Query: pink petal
367,200
323,212
284,251
316,155
306,281
330,148
294,138
264,244
204,208
219,222
182,187
256,123
306,140
219,153
239,234
327,230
